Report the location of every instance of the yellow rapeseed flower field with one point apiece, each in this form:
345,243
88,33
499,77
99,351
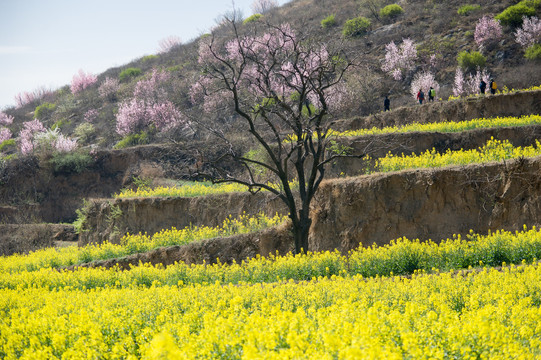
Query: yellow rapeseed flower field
315,306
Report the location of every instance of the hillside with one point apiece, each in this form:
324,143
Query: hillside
435,27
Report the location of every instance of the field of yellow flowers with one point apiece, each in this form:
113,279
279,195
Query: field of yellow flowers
319,305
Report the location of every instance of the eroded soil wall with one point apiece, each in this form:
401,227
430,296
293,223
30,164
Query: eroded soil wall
426,204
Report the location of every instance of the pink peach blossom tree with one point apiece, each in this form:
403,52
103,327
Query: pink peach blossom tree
81,81
285,89
399,59
488,30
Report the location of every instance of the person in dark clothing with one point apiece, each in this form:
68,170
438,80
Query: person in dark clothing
421,96
482,86
386,104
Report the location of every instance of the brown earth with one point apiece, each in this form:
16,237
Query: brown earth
426,204
23,238
109,219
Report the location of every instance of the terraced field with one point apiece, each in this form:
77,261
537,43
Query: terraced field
472,292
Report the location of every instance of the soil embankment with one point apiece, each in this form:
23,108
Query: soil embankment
110,219
426,204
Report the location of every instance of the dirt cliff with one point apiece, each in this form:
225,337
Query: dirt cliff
426,204
109,219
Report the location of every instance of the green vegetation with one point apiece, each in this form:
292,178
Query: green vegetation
328,22
513,14
84,132
74,162
149,58
467,9
356,27
391,11
253,18
533,52
471,61
129,73
7,143
44,110
141,138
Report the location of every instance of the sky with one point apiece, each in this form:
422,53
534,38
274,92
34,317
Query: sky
43,43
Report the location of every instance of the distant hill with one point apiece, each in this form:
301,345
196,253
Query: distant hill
437,28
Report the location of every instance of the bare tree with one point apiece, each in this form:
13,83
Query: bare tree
284,87
263,6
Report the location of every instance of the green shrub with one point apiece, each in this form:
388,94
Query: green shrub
467,9
328,22
252,18
84,132
7,144
129,73
471,61
44,110
70,162
513,14
59,124
149,58
533,52
356,27
141,138
391,11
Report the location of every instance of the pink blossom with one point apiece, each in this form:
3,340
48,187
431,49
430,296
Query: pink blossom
487,30
458,87
91,115
108,88
6,119
81,81
132,116
164,116
530,32
151,89
5,134
168,43
398,60
25,97
423,81
26,135
65,144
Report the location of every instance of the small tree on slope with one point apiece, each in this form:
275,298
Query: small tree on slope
284,88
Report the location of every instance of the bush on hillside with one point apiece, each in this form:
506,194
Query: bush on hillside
533,52
512,16
70,162
328,22
129,73
471,61
252,18
356,27
84,132
44,110
467,9
141,138
391,11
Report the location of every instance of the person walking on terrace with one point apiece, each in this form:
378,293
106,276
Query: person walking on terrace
431,94
421,96
386,104
493,86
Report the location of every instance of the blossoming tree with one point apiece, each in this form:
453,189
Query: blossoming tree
284,88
